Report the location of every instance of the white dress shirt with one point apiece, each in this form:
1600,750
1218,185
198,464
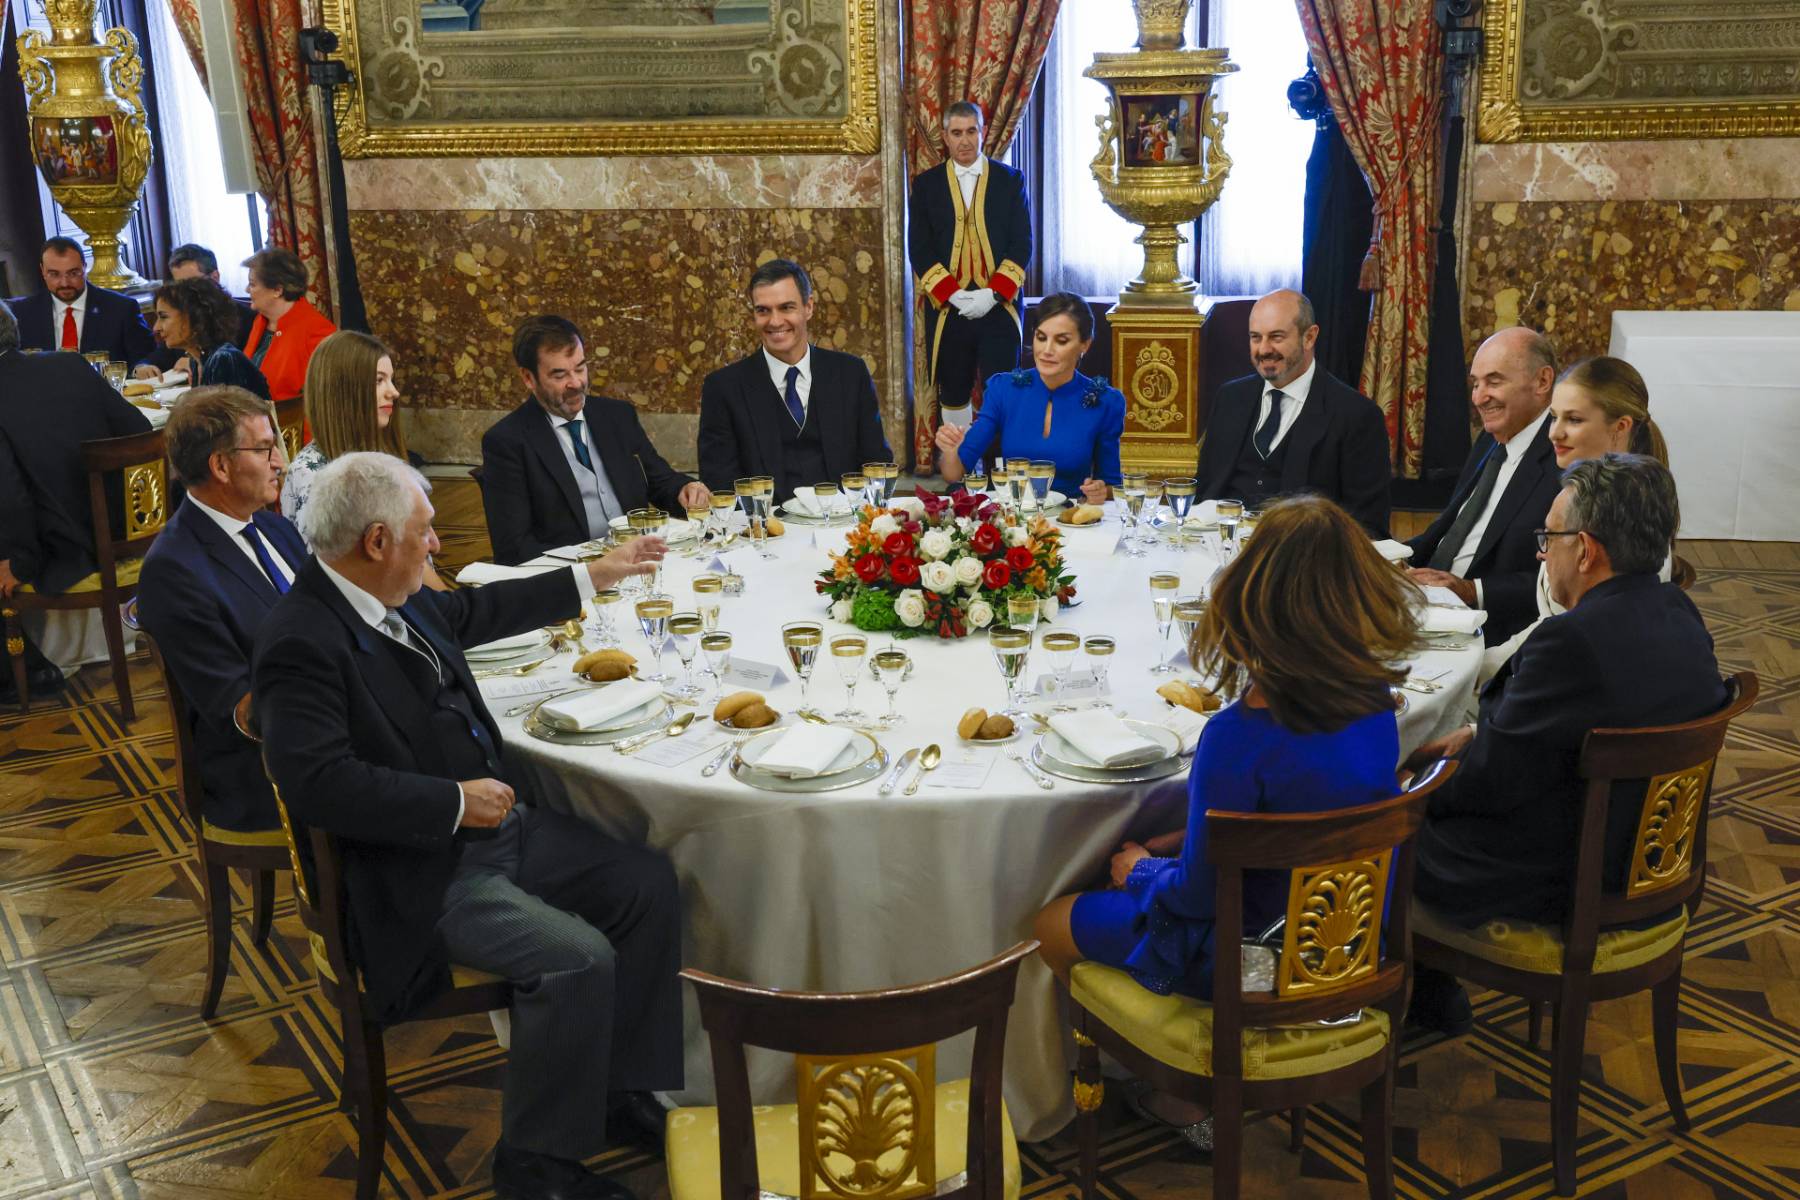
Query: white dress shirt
1514,448
79,305
1293,399
968,177
234,533
778,373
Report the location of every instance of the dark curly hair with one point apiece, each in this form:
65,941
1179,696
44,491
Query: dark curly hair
211,315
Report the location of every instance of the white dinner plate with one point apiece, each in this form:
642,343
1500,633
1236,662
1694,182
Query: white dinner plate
856,754
491,653
1058,749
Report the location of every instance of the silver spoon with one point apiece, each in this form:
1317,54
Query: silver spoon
674,728
526,669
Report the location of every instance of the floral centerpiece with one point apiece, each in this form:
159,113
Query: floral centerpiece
943,565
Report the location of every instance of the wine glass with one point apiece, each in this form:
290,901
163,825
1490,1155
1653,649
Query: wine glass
975,481
1061,645
685,629
1018,482
699,515
826,495
97,359
847,652
1100,647
1012,649
890,479
1188,612
1163,585
716,646
1022,612
1039,474
801,639
1231,514
1180,491
653,613
874,490
856,491
605,631
116,374
708,590
891,666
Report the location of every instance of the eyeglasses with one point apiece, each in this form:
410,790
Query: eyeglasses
1544,536
267,452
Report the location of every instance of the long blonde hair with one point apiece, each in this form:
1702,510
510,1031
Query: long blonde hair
1621,392
340,397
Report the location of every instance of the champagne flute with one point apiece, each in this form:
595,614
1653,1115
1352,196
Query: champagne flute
856,490
708,590
765,505
1022,612
1039,474
801,639
847,652
716,646
605,631
1061,645
1163,586
685,629
1231,514
747,494
722,504
635,585
1012,649
653,613
1018,482
891,666
1099,648
1181,499
826,495
1189,610
1136,491
698,516
656,523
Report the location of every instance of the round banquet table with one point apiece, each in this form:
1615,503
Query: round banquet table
846,890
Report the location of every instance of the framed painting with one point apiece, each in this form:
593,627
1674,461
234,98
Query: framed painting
1600,70
588,77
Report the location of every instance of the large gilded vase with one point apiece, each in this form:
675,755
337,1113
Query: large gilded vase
89,135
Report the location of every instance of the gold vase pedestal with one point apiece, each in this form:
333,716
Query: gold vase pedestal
1161,164
89,134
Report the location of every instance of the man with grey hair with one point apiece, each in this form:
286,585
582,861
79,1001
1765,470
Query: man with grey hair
1630,651
374,731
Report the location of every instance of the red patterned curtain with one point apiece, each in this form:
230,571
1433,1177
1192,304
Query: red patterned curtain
988,52
1382,66
287,161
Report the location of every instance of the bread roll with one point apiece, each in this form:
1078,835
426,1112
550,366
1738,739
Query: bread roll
730,706
997,726
607,672
1186,695
1084,514
754,716
773,527
970,725
594,657
138,388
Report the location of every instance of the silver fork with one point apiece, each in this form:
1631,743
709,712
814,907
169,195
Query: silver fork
1032,769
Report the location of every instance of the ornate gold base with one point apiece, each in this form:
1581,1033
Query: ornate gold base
1156,363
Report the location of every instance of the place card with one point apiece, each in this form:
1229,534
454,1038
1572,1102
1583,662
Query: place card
761,676
970,772
673,751
1081,686
517,687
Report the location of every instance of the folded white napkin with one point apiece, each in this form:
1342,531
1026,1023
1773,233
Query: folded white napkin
805,503
676,530
590,710
1206,512
1185,724
1393,551
506,645
805,751
158,417
1105,739
1453,620
486,572
169,377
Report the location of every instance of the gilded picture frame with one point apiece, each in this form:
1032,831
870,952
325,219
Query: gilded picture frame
614,77
1603,70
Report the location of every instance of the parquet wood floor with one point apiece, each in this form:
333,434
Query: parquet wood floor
111,1085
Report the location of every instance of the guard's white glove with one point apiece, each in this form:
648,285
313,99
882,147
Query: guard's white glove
981,302
960,300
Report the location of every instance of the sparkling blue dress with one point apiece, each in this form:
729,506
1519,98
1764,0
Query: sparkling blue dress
1159,926
1085,427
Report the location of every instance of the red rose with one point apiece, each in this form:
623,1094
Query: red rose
869,568
905,570
996,574
897,545
985,540
1019,558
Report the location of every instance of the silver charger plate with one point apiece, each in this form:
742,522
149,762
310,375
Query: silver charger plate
507,658
799,518
1060,751
1155,770
538,728
867,771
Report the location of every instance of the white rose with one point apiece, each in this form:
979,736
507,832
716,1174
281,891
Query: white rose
935,544
1047,608
909,606
841,610
964,524
883,525
912,506
968,570
1017,535
938,577
981,613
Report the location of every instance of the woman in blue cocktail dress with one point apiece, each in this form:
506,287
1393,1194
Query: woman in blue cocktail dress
1052,412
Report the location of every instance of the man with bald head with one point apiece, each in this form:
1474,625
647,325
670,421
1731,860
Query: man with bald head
1293,427
1483,546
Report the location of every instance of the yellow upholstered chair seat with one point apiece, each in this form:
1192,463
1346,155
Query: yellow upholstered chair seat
127,569
1178,1030
692,1146
1524,946
243,837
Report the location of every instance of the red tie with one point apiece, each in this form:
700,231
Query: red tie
71,339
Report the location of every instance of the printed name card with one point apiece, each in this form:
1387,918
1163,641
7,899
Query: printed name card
968,772
672,752
760,676
517,687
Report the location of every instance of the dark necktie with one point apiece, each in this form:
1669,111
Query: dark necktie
795,409
1452,542
1265,433
573,429
261,549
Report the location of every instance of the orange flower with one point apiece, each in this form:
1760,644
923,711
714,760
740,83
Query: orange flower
1036,580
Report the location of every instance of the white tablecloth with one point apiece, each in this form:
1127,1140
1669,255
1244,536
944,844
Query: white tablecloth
845,890
1725,387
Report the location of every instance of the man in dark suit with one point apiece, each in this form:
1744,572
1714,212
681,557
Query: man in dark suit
376,733
49,405
192,261
1629,652
796,412
1293,427
558,468
73,314
210,581
968,240
1482,546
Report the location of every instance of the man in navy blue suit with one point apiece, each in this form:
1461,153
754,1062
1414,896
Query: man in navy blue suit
212,577
73,314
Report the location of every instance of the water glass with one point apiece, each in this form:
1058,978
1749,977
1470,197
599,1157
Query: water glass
605,631
1039,475
1231,514
708,592
653,613
1180,492
801,640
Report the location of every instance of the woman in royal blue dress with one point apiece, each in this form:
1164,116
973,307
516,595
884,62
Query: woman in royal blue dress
1301,630
1053,412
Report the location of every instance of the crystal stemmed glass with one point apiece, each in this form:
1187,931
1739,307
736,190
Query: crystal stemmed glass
716,646
765,505
874,490
606,633
1181,499
685,629
1231,514
653,613
890,479
826,495
1012,650
1100,647
1061,645
1018,482
1039,475
699,517
801,640
890,668
847,652
708,589
1163,586
749,495
1022,612
856,491
1188,612
656,523
1134,519
975,481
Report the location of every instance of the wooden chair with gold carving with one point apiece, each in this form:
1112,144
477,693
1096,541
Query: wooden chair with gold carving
138,460
325,913
290,427
1343,954
1611,944
872,1121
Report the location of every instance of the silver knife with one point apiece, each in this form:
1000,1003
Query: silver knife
906,760
1037,773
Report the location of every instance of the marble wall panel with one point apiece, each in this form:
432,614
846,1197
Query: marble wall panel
1671,169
